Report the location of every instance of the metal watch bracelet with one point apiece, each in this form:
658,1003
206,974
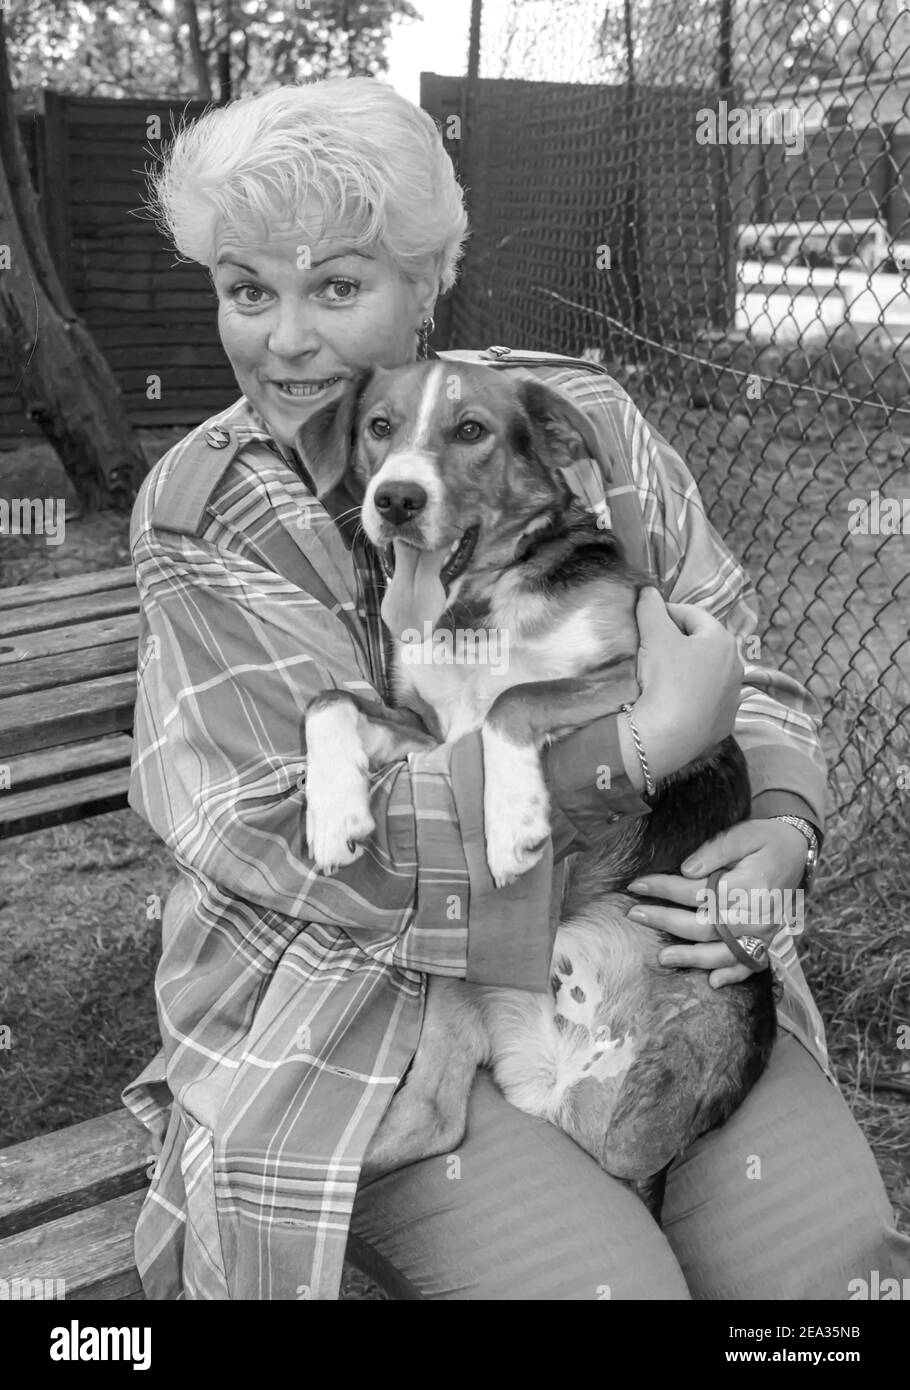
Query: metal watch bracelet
811,836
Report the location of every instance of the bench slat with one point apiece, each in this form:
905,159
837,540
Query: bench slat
64,612
91,1250
56,1174
20,595
33,645
66,714
53,765
23,812
48,672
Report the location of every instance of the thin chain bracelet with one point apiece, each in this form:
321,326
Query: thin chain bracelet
649,781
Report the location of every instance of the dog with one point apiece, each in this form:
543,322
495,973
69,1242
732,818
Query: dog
478,531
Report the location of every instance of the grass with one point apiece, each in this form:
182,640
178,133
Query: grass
78,953
79,935
857,961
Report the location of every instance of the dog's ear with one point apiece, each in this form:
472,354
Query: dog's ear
561,433
325,442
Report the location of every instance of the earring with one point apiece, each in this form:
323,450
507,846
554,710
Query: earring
423,338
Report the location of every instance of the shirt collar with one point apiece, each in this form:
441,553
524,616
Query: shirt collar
324,481
332,489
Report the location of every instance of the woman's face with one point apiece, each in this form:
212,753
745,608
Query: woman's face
298,319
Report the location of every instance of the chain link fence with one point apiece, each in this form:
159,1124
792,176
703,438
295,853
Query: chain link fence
713,200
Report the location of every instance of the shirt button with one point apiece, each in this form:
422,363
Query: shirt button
218,438
611,817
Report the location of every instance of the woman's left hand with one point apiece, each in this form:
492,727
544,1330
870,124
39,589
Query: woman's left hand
761,855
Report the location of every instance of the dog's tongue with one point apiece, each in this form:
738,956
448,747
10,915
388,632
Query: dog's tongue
415,593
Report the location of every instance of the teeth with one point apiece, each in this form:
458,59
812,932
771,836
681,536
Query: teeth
301,388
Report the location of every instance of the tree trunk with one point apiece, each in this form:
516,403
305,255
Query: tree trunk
200,66
64,383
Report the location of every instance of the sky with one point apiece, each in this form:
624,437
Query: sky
437,43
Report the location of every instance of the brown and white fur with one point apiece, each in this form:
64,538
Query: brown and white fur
462,475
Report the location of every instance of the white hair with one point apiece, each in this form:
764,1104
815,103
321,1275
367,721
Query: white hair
370,159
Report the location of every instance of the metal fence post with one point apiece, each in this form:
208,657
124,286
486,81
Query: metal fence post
723,298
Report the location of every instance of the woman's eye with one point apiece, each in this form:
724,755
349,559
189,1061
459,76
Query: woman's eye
249,295
380,428
470,431
344,289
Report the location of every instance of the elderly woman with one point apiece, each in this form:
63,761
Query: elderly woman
290,1003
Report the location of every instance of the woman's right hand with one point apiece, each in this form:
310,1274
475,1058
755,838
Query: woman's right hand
690,675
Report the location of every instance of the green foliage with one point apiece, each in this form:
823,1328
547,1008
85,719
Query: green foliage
170,48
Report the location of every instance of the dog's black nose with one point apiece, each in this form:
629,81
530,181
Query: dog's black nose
400,502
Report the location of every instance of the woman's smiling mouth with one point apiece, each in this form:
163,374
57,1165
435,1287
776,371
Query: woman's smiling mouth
299,390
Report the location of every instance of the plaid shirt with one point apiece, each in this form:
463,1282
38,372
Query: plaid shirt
290,1004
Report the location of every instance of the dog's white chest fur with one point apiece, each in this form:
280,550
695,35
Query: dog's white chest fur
460,675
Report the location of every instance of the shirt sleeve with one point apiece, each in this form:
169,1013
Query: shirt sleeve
777,725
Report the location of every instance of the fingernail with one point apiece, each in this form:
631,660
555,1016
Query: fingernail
638,914
639,886
669,957
693,866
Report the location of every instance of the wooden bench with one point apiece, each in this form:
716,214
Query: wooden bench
68,651
68,1208
68,654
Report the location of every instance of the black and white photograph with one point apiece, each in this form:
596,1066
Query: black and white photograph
455,664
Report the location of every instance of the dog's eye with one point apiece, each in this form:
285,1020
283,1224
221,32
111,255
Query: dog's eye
470,431
380,427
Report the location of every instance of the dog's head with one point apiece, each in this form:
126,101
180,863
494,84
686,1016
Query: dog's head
461,471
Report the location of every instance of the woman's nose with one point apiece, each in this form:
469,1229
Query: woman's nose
292,333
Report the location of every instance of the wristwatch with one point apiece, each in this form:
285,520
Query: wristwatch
812,840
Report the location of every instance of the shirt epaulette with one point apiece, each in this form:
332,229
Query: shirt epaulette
188,488
497,356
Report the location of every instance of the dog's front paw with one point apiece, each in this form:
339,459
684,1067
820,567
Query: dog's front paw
516,808
334,831
511,855
338,813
